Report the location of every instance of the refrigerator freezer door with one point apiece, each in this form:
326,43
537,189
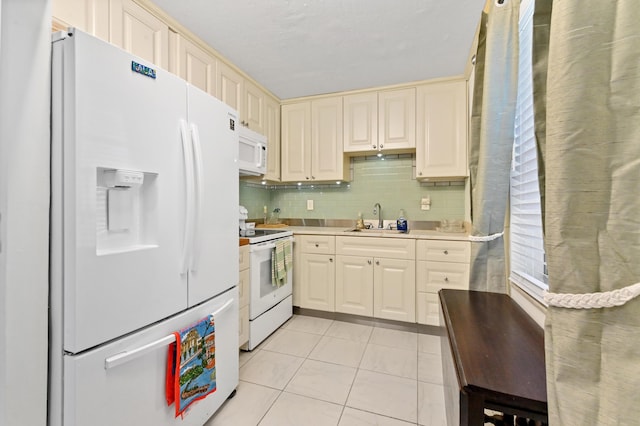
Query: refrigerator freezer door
213,266
121,253
131,392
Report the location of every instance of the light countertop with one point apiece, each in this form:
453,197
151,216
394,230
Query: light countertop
416,234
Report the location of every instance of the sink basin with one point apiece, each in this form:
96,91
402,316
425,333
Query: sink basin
380,231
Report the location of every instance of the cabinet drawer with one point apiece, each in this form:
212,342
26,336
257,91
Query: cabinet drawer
318,244
433,276
427,309
243,287
443,250
244,258
391,248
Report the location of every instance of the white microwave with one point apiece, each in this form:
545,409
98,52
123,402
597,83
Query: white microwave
252,153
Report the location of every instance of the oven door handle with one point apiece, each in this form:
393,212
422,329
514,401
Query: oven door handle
261,247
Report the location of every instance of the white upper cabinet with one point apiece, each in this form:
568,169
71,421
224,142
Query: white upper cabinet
91,16
230,86
312,141
253,115
441,150
193,63
272,131
397,119
139,32
361,122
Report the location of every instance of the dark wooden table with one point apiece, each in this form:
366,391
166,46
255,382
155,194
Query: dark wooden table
493,357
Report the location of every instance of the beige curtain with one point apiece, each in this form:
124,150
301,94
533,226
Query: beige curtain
592,209
492,122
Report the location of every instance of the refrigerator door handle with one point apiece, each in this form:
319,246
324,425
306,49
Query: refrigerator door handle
199,196
126,356
188,222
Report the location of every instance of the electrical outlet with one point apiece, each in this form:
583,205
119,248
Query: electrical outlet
309,204
425,203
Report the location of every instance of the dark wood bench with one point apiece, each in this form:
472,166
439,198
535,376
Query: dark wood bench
492,357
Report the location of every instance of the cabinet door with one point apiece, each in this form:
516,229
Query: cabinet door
354,285
296,142
272,131
361,122
397,119
193,64
326,141
90,16
427,309
253,114
441,149
139,32
394,289
318,282
230,87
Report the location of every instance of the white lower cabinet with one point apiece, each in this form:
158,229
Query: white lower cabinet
318,276
314,280
354,285
440,264
394,289
243,295
376,277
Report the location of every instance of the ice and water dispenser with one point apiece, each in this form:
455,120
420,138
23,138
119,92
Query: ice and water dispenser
126,208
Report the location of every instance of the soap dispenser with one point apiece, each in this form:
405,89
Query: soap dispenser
401,223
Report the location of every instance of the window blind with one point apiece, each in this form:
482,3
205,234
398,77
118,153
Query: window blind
527,258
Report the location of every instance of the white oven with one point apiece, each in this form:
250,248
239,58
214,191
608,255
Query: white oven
269,306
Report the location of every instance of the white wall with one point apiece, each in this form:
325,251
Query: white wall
25,34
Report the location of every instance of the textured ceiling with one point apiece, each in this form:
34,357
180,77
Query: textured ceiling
298,48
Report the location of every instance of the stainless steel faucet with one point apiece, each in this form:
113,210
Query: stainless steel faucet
377,209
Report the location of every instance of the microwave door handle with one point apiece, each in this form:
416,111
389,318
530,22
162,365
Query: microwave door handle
261,155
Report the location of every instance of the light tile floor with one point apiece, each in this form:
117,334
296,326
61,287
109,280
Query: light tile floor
316,372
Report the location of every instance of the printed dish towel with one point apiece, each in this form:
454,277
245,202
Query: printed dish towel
191,365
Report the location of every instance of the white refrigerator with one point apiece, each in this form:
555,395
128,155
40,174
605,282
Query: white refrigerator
144,220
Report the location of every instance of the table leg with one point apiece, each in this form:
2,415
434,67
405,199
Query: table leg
471,409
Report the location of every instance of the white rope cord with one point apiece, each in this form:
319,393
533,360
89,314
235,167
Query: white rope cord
607,299
491,237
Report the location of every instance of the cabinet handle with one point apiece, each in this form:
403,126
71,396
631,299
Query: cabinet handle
446,279
307,178
317,245
313,177
377,262
369,262
374,146
331,259
446,252
381,146
420,174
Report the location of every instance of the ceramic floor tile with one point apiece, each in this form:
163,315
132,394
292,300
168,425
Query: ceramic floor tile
322,380
388,360
234,411
350,331
384,394
338,351
429,368
431,409
292,342
353,417
246,356
295,410
395,338
308,324
429,343
270,369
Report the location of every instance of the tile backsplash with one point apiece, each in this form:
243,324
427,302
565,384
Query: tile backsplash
389,182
